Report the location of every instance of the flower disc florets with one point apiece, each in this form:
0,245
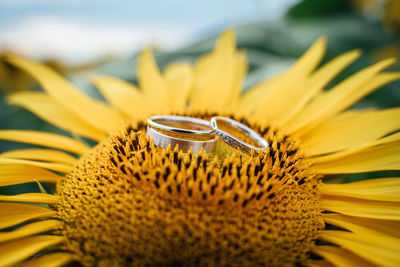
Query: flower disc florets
129,203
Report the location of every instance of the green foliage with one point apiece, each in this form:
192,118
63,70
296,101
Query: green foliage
317,8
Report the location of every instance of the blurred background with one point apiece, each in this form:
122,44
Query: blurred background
77,31
79,37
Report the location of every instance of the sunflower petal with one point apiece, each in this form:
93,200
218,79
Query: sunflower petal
17,251
45,139
123,96
393,138
19,174
218,76
365,234
47,109
31,197
30,229
341,257
341,96
40,154
12,214
95,113
152,83
241,69
374,157
350,131
362,208
315,84
251,98
51,166
363,246
383,189
50,260
388,227
179,79
276,101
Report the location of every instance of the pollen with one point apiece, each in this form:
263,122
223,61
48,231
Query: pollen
129,203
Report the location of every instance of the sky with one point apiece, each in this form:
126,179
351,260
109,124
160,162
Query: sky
77,31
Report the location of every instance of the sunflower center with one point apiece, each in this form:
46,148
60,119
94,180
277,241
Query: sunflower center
129,203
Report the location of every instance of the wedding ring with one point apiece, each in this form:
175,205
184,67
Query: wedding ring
181,131
255,138
187,125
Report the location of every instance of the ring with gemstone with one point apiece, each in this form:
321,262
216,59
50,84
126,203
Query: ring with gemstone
258,142
186,132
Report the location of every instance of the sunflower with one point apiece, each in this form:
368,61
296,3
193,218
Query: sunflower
125,202
387,11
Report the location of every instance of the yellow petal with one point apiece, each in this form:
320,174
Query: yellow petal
95,113
218,76
341,96
50,260
277,100
123,96
383,189
51,166
365,234
12,214
179,79
198,96
40,154
362,208
152,84
341,257
315,84
328,104
372,158
388,227
45,139
19,174
364,247
345,115
49,110
30,229
338,134
233,95
393,138
19,250
31,197
251,98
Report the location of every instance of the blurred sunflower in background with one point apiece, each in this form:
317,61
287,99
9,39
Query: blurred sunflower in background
124,202
387,11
